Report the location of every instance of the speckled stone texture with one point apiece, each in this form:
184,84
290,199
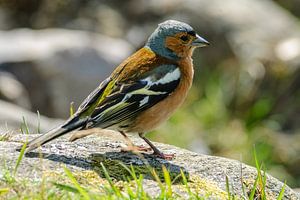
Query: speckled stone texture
206,173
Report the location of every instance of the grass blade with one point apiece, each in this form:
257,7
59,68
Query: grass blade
264,182
39,122
157,179
65,187
4,191
227,187
262,179
251,196
71,109
184,180
167,180
82,191
281,194
24,125
22,152
130,171
116,191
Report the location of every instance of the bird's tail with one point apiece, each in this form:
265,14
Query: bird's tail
72,124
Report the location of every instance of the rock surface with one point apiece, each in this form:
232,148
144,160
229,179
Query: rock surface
206,173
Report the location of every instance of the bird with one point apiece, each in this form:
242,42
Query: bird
142,92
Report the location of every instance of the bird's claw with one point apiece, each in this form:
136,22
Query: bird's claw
136,149
164,156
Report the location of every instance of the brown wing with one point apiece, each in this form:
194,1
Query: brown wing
136,65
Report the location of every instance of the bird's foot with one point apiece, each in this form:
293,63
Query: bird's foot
74,137
164,156
136,149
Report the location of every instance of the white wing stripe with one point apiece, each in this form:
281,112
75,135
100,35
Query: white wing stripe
144,101
169,77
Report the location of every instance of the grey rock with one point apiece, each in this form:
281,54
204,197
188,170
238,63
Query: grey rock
206,173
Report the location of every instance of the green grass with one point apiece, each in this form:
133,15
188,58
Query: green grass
5,136
72,111
69,186
20,189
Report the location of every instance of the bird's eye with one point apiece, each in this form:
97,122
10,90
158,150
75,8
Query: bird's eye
184,38
192,33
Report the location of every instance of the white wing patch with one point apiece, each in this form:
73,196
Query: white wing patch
169,77
144,101
146,91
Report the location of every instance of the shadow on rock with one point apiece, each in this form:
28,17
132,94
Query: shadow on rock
74,161
120,165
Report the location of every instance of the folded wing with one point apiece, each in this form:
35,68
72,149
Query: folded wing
128,99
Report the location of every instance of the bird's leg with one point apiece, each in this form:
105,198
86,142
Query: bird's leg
80,134
155,150
131,146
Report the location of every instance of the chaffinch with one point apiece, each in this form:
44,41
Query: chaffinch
143,91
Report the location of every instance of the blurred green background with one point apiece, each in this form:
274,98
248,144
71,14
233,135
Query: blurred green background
246,85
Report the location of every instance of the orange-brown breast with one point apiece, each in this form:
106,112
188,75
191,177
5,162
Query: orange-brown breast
154,116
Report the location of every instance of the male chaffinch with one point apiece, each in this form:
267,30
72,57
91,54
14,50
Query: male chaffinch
143,91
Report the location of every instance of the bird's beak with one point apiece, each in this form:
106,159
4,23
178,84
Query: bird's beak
199,42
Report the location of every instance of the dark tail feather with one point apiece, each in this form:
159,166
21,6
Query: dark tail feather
70,125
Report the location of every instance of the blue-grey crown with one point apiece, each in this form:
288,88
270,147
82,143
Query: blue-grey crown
156,41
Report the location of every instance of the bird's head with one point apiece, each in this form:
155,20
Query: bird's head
174,40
